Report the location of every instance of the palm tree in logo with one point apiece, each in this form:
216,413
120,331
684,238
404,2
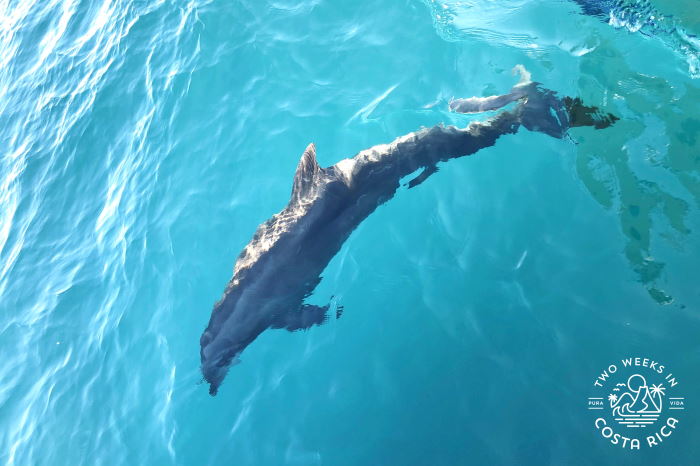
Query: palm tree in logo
612,398
658,391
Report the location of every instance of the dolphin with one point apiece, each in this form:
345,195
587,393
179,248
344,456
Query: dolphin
283,262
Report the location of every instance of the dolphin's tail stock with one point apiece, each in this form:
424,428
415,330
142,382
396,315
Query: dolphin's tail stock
539,109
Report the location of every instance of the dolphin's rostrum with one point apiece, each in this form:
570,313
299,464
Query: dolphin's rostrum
283,262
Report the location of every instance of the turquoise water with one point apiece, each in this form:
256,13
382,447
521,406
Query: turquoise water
143,142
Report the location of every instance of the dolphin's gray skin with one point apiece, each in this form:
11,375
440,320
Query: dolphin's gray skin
283,262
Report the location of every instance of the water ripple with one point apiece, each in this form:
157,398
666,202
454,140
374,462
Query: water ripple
143,142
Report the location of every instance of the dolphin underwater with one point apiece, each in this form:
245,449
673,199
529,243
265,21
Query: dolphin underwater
283,262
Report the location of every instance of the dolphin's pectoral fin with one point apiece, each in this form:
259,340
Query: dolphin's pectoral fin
303,319
427,171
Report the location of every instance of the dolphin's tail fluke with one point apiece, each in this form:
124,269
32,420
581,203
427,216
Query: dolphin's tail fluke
539,109
581,115
544,111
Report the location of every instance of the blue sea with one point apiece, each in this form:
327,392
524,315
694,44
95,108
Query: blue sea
144,141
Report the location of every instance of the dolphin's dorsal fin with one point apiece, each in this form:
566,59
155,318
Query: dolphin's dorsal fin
307,173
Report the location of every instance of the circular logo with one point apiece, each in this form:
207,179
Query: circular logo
636,403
